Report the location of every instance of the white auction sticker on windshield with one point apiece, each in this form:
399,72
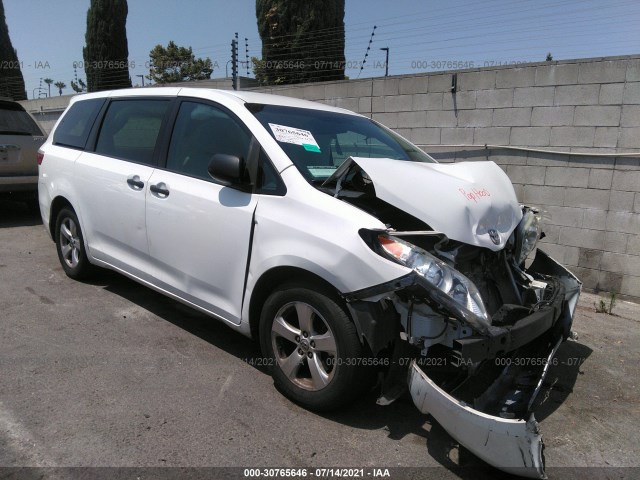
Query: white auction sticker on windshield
296,136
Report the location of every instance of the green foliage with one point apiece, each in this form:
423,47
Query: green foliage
11,79
60,86
259,71
177,64
49,82
78,87
106,54
549,57
602,307
301,41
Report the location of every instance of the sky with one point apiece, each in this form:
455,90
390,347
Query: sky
421,35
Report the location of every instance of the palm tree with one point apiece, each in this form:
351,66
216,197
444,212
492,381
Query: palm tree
48,81
60,86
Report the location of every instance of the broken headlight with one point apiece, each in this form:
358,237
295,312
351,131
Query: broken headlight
527,235
460,294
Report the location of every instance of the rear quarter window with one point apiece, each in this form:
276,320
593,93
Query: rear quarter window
130,129
73,130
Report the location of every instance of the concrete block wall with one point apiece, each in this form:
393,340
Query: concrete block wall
587,106
590,105
592,205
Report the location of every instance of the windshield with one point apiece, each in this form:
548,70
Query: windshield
317,142
15,121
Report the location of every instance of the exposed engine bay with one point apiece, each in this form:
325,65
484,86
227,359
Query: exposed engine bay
481,320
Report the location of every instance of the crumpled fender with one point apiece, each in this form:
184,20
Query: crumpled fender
514,446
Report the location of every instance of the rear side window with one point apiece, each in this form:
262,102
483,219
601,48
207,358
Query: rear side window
15,121
130,129
73,130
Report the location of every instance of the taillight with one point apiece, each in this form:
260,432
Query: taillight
40,157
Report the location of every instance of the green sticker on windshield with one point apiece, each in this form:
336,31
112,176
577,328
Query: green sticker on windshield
311,148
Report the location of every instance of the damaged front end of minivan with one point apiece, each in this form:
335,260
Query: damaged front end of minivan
480,322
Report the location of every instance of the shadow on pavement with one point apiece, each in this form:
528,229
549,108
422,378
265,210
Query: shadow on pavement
561,378
402,418
399,419
16,212
208,329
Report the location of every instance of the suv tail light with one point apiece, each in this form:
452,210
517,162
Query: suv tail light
40,157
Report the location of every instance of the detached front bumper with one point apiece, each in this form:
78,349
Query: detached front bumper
511,444
514,446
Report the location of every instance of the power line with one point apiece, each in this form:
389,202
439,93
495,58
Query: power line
419,34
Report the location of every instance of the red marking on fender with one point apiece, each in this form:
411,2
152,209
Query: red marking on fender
475,194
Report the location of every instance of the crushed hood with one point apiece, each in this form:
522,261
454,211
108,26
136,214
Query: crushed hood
472,202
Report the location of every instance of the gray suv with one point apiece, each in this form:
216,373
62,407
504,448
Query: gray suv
20,138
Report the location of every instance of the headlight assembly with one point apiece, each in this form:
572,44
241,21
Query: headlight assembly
447,285
527,235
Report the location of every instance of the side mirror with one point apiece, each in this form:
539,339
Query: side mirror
226,170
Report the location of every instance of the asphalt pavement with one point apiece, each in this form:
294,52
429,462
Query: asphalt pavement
108,373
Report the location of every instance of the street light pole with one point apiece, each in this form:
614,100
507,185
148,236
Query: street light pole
142,77
386,63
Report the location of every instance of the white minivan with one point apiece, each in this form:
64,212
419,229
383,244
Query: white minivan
346,251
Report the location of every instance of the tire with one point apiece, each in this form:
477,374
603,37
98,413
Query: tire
312,348
70,245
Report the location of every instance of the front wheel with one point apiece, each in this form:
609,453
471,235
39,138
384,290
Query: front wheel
316,357
70,245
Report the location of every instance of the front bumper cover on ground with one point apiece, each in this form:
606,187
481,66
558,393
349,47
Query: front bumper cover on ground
514,446
510,444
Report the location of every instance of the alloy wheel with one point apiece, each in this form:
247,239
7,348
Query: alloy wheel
70,243
304,346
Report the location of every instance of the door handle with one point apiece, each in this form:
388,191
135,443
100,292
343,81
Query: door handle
160,189
135,182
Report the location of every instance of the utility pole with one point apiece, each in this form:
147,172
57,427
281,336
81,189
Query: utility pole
142,77
41,90
246,53
234,63
386,62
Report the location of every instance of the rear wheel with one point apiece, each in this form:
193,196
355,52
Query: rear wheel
313,348
70,245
